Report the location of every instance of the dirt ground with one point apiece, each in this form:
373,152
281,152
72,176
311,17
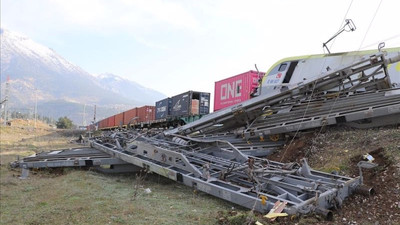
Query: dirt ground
339,150
87,197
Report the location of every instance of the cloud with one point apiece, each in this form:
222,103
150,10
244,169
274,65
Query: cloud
163,12
79,13
150,44
99,14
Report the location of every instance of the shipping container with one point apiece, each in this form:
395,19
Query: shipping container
111,121
129,115
103,123
119,119
236,89
99,124
163,108
146,113
182,103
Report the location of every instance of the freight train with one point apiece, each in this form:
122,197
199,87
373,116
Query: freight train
170,112
186,107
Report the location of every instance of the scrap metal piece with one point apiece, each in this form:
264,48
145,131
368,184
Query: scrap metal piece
365,165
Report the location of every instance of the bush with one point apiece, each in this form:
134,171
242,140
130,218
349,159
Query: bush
64,123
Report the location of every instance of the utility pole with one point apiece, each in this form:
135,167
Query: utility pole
35,106
5,101
94,117
92,123
84,116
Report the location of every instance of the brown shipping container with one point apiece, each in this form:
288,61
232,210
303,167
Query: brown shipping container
195,107
119,119
111,121
146,113
101,124
130,114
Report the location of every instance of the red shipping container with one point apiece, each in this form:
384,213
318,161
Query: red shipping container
236,89
146,113
129,115
119,119
101,124
111,121
105,123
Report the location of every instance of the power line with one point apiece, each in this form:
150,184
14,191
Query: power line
370,24
384,40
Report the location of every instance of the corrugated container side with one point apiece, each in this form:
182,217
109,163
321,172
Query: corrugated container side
204,107
104,123
146,113
119,119
163,108
99,124
111,121
181,104
235,89
129,115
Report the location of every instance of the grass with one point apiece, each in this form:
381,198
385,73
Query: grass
87,197
73,196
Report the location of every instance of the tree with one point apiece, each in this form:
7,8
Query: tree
64,123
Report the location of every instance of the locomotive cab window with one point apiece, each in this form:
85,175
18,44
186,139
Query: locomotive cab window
290,71
282,67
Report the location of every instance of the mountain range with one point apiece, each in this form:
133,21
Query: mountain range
38,74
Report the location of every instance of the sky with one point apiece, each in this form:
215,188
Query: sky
175,46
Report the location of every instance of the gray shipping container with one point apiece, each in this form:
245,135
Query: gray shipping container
181,104
163,108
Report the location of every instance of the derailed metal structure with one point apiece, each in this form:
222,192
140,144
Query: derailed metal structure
220,169
221,154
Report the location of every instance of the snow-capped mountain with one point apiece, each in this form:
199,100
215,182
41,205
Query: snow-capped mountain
13,44
38,72
128,88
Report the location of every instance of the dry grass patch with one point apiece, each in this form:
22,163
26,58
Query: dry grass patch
73,196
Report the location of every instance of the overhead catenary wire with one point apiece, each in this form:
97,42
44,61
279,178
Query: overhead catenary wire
383,40
370,24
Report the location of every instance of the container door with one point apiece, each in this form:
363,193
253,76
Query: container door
204,107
